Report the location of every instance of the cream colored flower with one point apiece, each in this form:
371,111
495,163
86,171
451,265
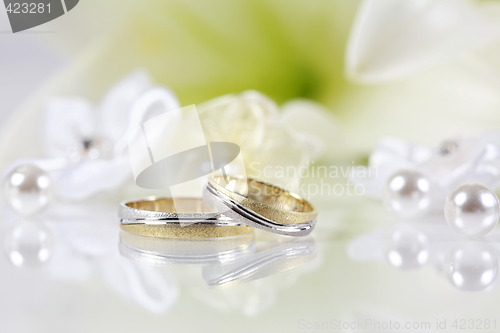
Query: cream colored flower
255,123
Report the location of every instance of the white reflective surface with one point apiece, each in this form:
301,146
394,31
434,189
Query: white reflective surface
380,270
28,244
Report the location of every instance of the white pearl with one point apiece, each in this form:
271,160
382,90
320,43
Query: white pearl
27,189
407,249
28,245
408,193
471,266
472,210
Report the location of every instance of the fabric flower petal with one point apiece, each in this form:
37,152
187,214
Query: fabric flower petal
84,179
67,122
389,156
116,106
253,121
465,160
315,124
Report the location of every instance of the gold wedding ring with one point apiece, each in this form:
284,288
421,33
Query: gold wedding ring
180,218
231,206
261,205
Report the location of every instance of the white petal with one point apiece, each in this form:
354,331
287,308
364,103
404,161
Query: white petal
394,38
393,151
89,177
315,124
253,121
241,119
389,156
116,106
151,103
67,122
460,98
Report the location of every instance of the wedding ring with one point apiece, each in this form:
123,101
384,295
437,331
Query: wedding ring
274,258
159,251
179,218
261,205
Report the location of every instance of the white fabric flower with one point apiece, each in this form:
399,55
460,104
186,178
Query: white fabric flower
90,142
455,162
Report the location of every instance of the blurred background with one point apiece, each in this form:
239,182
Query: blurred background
404,67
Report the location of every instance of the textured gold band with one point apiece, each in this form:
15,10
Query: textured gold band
186,232
267,200
177,218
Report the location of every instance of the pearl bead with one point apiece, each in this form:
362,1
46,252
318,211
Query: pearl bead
471,266
408,193
407,249
27,189
28,245
472,210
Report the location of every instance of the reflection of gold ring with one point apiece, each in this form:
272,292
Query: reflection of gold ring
261,205
179,218
185,251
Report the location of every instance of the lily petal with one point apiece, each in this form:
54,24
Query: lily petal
391,38
318,128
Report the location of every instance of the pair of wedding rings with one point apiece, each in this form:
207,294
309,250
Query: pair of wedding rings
230,206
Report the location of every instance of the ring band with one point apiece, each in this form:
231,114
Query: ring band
261,205
158,217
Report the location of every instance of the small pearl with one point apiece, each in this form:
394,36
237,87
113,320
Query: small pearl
407,249
28,245
27,189
408,193
472,210
471,267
